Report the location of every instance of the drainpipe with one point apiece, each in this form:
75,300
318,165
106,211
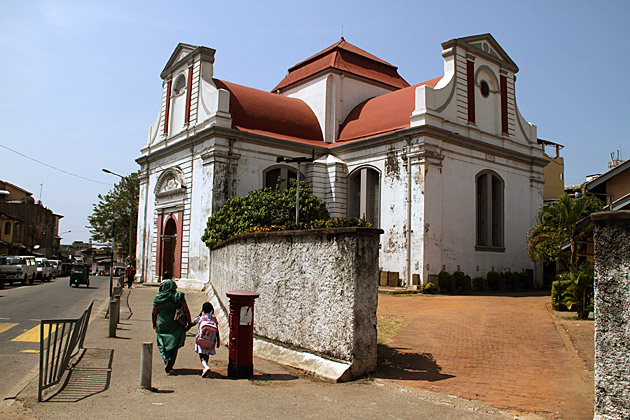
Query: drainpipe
229,174
407,158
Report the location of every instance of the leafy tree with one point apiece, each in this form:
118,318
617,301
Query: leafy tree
579,293
118,206
557,223
271,206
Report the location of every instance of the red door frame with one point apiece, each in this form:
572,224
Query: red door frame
163,218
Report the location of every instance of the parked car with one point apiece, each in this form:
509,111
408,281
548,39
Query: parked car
32,267
55,266
17,268
44,272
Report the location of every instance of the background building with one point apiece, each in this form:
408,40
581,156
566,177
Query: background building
32,228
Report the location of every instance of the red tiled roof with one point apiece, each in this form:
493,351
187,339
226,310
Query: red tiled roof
269,114
381,114
345,57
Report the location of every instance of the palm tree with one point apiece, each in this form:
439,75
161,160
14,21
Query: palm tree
570,212
557,224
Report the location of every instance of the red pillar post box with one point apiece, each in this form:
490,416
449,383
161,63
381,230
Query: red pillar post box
240,364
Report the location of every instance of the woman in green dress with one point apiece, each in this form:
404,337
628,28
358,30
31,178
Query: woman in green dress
170,335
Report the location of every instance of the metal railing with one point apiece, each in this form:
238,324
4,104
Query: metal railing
59,341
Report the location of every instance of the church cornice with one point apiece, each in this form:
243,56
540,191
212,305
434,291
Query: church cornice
445,136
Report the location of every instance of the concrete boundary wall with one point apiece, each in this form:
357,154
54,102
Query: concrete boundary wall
612,315
318,296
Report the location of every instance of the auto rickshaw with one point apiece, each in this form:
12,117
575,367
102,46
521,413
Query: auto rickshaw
80,274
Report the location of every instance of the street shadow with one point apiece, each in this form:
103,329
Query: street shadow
185,372
398,363
515,293
161,391
268,377
213,374
90,376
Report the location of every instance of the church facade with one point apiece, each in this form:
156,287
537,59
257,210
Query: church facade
448,168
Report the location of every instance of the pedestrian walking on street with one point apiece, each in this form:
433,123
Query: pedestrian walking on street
170,334
131,272
207,337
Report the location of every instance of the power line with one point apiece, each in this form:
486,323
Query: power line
52,167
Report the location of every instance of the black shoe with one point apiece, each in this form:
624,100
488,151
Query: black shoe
169,367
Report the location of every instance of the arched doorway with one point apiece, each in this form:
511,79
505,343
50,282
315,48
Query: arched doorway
169,245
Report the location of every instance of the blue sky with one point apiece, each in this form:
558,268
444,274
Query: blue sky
81,85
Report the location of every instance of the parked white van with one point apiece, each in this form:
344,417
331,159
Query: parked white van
44,272
18,268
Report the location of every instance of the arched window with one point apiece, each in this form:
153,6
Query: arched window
489,189
180,84
364,195
272,175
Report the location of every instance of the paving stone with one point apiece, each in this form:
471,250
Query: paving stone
503,350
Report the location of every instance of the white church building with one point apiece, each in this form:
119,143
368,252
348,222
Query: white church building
448,168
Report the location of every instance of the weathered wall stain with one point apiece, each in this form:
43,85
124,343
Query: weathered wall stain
392,165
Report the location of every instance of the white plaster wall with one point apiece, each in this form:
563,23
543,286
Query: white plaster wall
452,228
318,289
351,92
348,92
386,159
488,110
200,210
177,112
417,218
313,93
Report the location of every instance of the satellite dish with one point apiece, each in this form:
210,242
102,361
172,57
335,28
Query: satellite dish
36,247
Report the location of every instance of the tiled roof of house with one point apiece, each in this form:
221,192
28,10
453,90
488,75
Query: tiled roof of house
270,114
602,179
347,58
381,114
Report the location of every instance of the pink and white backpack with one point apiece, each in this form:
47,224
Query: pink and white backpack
207,335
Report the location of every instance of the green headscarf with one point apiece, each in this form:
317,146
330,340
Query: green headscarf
168,292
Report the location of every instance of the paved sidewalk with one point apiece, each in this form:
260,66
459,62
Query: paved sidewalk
504,350
104,384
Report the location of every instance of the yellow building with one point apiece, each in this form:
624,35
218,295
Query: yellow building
554,171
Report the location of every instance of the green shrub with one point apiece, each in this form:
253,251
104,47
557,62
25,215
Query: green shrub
579,294
459,277
444,281
493,280
313,224
428,288
558,289
523,280
477,284
510,279
271,209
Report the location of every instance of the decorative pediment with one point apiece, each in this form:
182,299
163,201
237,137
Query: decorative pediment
184,53
170,185
486,46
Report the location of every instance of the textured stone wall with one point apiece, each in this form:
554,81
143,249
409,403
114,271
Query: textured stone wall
318,289
612,315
